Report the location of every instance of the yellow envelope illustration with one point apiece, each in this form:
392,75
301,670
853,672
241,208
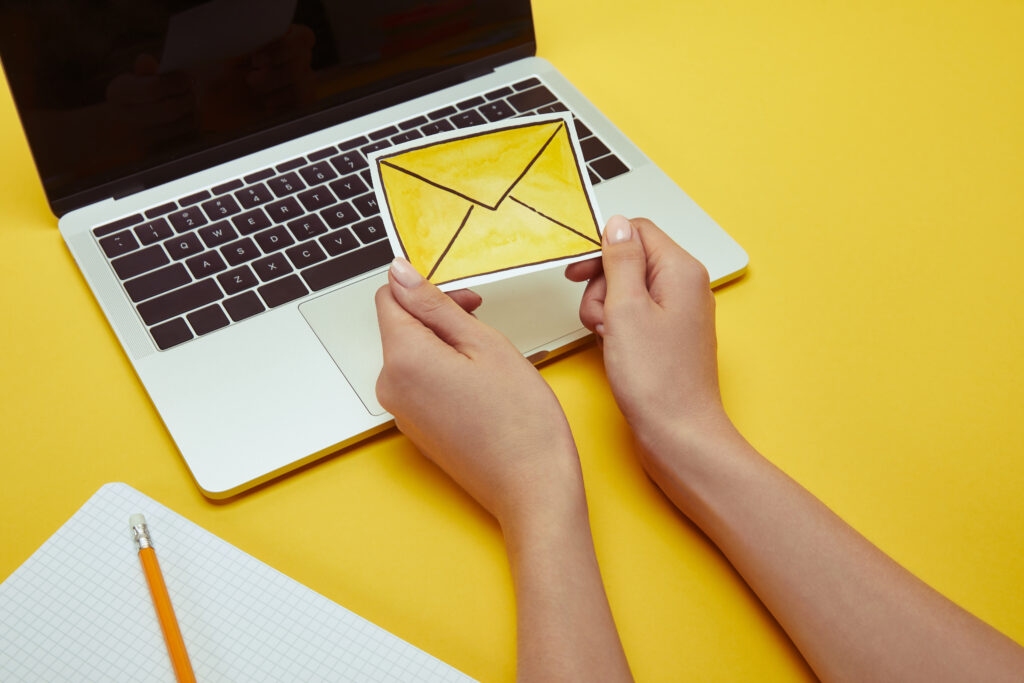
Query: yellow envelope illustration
489,202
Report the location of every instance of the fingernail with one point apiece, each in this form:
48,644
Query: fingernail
619,229
599,328
406,275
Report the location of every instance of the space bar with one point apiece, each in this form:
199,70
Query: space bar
348,265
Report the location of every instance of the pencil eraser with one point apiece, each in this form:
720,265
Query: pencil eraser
136,519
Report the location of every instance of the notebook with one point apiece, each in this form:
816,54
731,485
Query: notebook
79,609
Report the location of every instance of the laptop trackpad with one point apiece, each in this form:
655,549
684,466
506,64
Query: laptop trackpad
531,310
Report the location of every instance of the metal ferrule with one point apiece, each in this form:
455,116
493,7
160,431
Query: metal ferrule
140,532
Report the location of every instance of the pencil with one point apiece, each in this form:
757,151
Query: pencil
162,601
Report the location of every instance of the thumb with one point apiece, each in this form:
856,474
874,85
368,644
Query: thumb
432,307
624,260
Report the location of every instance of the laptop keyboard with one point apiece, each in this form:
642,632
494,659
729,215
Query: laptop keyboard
242,247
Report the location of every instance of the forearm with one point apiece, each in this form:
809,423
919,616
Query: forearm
564,625
853,612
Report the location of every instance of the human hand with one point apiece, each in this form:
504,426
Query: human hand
472,404
650,303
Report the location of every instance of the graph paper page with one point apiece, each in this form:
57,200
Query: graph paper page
79,609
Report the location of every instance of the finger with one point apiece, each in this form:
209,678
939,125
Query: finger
592,304
583,270
467,299
401,333
670,268
435,309
624,261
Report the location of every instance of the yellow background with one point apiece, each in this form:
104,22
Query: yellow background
869,158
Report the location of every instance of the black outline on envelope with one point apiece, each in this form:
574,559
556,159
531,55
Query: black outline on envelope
382,161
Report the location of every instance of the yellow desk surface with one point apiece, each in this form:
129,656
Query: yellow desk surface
870,158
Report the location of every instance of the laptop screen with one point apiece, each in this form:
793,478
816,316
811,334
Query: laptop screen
108,89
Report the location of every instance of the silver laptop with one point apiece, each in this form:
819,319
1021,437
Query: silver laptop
208,164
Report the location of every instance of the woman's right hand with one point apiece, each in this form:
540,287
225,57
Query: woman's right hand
650,303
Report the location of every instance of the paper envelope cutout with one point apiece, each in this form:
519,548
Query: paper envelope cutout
497,202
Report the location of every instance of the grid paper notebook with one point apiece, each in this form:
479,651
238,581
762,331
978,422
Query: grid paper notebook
79,609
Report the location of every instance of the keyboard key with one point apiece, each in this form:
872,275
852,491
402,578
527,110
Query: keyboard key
441,113
500,92
322,153
274,239
119,224
531,99
226,187
348,265
243,306
253,196
217,234
528,83
594,178
353,143
154,231
118,244
348,163
251,221
340,215
272,267
370,230
470,103
406,137
581,129
317,198
380,144
285,185
206,264
234,281
161,210
208,319
306,254
258,176
555,108
339,241
282,291
437,127
284,210
467,118
180,301
609,167
413,123
367,205
187,219
239,252
318,173
193,198
496,111
348,187
383,133
170,334
157,282
221,207
366,176
183,245
134,264
290,165
306,227
593,148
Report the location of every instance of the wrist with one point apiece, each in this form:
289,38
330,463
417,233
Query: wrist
552,507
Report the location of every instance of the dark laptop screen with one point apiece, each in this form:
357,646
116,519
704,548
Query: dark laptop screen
110,88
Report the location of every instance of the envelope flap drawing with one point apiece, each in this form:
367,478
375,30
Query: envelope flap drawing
493,203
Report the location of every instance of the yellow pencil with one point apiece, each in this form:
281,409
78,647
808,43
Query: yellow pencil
162,601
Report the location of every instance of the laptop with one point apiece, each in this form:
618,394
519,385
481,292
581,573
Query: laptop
208,165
